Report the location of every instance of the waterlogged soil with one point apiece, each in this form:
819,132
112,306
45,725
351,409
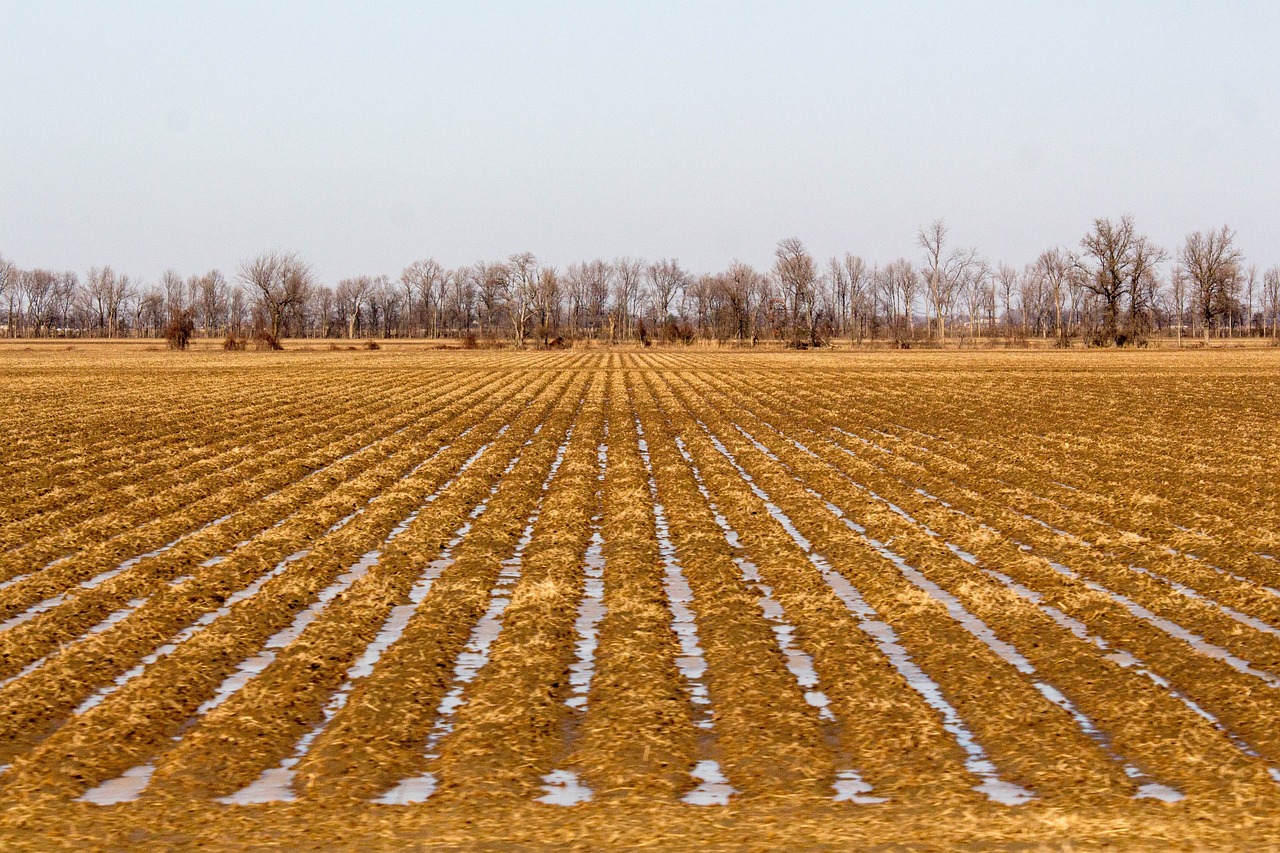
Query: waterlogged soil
601,599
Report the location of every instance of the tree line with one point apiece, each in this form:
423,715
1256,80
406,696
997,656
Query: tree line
1115,287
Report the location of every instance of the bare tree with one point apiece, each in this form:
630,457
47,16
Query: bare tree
546,304
899,285
1212,263
350,298
523,294
599,281
279,282
1054,268
1006,282
173,288
1250,281
796,274
667,280
213,300
742,288
858,278
627,294
1178,292
8,290
1271,300
422,279
932,239
1123,263
975,282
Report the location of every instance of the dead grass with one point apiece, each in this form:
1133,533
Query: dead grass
1060,474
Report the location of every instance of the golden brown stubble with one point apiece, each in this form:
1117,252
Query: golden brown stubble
1156,451
509,733
174,473
1003,709
379,736
310,502
150,706
1111,569
1146,724
637,737
243,505
1236,698
889,734
770,738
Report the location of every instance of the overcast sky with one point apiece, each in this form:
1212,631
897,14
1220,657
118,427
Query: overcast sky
366,135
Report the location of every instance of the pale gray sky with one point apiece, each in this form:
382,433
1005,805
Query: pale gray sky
365,135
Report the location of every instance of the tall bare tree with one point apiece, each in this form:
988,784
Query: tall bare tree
1123,262
350,300
523,294
796,274
1212,262
628,281
421,280
1178,295
1271,300
902,282
667,280
213,300
279,282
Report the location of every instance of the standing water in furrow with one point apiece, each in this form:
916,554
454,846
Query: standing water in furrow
979,629
977,762
849,784
135,604
133,782
276,783
713,789
1167,626
1116,655
564,787
475,654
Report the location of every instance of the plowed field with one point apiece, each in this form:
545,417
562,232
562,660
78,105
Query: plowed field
380,600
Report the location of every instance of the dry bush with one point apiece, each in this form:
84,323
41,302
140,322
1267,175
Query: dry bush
180,331
264,340
469,341
371,344
233,344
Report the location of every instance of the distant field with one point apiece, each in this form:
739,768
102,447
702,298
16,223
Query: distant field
780,601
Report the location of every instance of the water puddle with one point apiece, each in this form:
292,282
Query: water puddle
275,784
564,788
1188,592
1124,658
107,623
591,610
123,789
713,788
254,666
851,788
1169,627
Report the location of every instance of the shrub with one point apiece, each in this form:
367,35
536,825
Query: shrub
264,340
180,331
231,344
371,344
